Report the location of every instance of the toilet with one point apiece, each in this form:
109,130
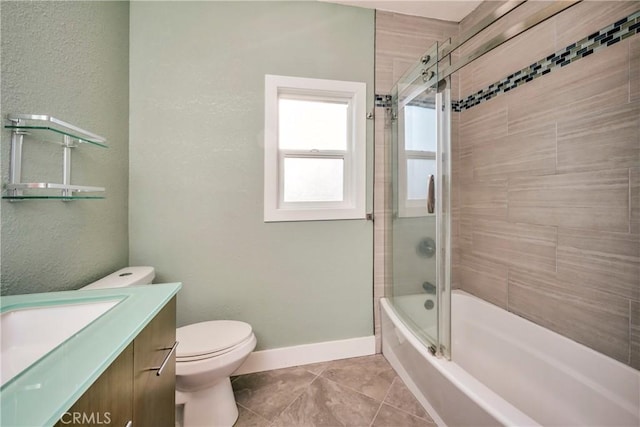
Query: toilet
206,356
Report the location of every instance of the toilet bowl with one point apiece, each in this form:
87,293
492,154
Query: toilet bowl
215,350
206,356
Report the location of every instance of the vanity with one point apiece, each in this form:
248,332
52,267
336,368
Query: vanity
100,357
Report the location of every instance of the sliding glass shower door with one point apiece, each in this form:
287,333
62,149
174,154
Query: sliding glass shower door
420,213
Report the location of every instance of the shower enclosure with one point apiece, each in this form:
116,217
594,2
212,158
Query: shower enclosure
421,111
420,221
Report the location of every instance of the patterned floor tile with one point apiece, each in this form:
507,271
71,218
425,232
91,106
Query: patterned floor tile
316,368
269,393
389,416
247,418
326,403
347,392
401,398
370,375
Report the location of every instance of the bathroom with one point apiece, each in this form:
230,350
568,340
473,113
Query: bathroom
178,90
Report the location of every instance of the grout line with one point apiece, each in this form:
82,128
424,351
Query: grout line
382,401
430,421
555,172
630,326
630,200
293,400
349,388
254,413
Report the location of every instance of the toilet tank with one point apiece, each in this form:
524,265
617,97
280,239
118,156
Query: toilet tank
128,276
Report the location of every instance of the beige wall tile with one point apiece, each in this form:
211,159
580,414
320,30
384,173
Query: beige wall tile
400,42
519,245
485,199
595,319
593,83
483,10
586,117
634,68
527,153
593,200
465,230
609,262
407,24
465,169
634,200
519,52
499,26
587,17
483,122
606,139
485,279
635,334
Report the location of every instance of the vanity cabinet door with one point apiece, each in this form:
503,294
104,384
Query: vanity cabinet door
109,400
154,395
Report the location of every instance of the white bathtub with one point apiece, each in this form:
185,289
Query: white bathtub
508,371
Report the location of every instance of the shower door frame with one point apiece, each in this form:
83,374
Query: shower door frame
424,77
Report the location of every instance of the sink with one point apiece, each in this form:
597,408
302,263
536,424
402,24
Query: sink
27,334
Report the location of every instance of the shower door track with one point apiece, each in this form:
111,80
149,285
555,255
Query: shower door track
441,72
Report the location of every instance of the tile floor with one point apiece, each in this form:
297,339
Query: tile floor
363,391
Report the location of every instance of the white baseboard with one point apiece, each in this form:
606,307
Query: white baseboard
286,357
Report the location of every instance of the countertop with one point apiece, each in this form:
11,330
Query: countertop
40,394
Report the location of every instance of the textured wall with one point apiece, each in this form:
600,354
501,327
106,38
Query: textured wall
69,60
196,183
546,221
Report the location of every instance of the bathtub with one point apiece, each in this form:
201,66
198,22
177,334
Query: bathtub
508,371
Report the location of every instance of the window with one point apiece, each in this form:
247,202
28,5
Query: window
315,149
416,158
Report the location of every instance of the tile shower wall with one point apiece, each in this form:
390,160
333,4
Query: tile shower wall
546,180
400,40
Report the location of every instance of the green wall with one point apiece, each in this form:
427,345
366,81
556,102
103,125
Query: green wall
196,157
69,60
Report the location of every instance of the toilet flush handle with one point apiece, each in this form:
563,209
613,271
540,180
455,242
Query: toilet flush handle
166,359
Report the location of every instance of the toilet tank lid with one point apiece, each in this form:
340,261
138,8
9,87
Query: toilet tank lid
128,276
209,337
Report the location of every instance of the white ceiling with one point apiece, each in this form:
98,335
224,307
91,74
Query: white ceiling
447,10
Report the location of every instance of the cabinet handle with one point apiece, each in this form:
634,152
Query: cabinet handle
128,424
166,359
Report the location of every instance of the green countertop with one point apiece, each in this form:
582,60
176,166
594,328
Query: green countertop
40,394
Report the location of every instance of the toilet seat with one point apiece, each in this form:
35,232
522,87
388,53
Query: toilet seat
210,339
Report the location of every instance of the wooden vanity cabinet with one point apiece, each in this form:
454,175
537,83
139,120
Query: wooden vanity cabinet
154,396
109,401
130,392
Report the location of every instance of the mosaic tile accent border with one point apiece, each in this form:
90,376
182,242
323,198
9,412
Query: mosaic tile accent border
607,36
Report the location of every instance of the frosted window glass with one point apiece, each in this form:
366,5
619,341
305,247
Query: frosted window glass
418,171
313,179
308,125
420,128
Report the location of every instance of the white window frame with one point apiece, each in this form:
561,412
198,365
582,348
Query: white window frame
354,157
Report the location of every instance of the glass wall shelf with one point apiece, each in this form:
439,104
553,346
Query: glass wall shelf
47,129
40,197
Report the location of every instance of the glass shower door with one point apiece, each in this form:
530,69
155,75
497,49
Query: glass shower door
419,224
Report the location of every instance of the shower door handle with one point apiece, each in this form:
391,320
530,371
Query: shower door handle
431,194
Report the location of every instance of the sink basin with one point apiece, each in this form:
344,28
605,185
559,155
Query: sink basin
27,334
